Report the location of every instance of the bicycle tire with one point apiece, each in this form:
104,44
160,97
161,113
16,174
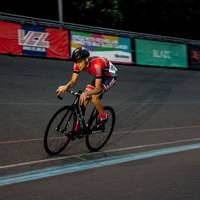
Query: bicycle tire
59,135
90,137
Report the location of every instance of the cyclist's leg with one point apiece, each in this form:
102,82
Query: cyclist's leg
95,98
89,87
107,83
102,117
85,103
97,104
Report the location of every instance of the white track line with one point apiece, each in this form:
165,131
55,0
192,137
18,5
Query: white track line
102,152
137,103
160,129
20,141
30,104
117,133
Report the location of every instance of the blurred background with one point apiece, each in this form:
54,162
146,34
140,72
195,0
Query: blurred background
177,18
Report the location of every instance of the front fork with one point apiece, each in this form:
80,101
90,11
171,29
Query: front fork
63,130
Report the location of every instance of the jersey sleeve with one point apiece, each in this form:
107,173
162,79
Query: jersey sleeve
76,69
98,70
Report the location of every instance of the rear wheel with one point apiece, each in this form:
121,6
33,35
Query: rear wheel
58,131
97,140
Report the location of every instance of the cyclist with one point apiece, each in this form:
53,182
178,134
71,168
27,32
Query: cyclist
105,76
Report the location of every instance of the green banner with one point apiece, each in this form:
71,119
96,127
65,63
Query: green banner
161,54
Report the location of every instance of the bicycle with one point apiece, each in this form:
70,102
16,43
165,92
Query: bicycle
61,127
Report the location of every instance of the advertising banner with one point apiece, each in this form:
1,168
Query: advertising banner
59,44
33,41
194,57
117,49
161,54
9,38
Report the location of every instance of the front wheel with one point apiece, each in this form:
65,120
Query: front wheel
57,132
97,140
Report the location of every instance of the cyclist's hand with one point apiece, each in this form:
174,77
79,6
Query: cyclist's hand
83,97
61,89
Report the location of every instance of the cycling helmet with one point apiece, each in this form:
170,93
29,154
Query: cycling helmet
79,53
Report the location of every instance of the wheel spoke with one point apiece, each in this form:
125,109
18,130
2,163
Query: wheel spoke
56,134
97,139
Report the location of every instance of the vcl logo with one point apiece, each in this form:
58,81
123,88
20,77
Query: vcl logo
34,39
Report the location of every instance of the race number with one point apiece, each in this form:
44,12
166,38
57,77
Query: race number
112,69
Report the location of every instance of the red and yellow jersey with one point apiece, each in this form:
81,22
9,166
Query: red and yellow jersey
99,67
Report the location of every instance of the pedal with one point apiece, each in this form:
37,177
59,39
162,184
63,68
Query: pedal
71,135
79,135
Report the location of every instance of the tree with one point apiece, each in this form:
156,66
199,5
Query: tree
97,12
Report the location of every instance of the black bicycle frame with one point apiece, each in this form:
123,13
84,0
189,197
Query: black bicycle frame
81,120
79,114
80,117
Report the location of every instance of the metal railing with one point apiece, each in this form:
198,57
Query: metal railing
86,28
